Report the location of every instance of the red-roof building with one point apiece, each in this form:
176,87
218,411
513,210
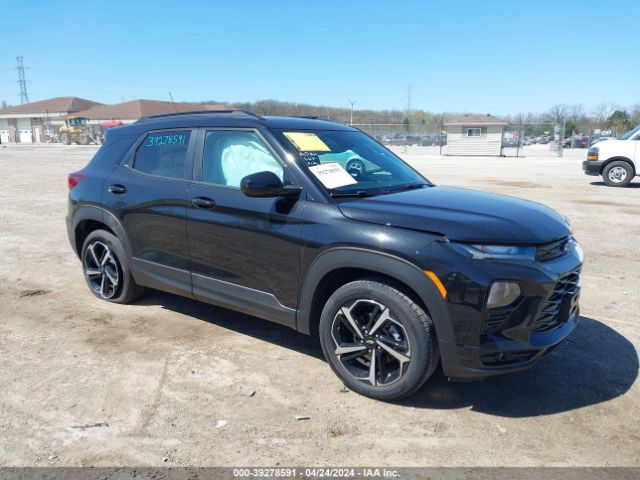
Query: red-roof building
35,122
39,121
129,112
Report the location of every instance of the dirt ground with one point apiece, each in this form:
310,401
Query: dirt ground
169,381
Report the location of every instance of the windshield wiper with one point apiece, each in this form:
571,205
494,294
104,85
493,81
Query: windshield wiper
353,193
410,186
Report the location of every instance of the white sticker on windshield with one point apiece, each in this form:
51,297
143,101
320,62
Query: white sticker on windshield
332,175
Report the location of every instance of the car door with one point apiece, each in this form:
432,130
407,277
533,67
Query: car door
245,251
147,194
636,150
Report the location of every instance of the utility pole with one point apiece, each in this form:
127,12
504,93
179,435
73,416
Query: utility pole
562,129
351,102
24,96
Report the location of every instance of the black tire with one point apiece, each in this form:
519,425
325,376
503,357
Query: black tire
99,273
415,340
617,174
65,139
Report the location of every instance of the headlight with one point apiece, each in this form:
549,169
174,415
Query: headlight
592,153
505,252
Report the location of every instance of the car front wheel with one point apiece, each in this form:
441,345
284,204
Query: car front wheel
617,174
379,341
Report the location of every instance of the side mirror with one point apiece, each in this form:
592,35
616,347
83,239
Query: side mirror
267,184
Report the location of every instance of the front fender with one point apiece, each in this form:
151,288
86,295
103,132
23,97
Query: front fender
386,264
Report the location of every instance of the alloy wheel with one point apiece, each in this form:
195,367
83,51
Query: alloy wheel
369,343
101,269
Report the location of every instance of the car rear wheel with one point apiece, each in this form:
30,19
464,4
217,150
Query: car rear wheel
105,269
617,174
378,340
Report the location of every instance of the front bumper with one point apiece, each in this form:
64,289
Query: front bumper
527,333
505,355
592,167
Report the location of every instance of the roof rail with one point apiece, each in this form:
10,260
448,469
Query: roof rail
201,112
318,117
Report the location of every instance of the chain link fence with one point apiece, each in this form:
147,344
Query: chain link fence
406,134
518,139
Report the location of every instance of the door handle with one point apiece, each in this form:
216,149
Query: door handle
117,189
203,202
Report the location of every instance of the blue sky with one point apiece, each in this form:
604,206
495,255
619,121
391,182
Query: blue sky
482,56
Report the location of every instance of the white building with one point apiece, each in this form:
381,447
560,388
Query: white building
35,122
475,135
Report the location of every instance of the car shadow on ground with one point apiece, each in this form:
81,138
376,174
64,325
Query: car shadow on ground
238,322
602,184
594,365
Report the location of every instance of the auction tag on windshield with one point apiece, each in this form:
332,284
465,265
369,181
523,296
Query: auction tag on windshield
307,142
332,175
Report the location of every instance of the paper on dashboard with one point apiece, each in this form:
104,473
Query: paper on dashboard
332,175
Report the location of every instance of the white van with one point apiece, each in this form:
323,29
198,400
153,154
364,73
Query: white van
615,159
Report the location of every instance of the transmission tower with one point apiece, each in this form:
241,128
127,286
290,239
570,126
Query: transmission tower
24,96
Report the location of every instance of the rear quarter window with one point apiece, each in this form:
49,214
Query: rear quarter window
112,151
163,154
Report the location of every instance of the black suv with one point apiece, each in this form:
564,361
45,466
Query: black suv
393,273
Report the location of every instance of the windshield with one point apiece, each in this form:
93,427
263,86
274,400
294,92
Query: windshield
630,133
350,163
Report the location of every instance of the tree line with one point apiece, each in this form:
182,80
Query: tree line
603,116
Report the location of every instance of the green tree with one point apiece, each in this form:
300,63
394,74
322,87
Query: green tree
570,127
619,121
406,124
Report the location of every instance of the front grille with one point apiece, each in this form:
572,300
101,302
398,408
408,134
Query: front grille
560,306
552,250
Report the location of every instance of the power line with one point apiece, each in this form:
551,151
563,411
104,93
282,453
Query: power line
24,96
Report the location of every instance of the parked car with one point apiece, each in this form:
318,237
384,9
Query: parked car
413,140
393,273
576,141
440,140
398,140
615,160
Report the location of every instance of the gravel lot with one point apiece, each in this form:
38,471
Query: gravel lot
169,381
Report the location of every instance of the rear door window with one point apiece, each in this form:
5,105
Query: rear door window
164,154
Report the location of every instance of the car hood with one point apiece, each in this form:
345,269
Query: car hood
461,215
